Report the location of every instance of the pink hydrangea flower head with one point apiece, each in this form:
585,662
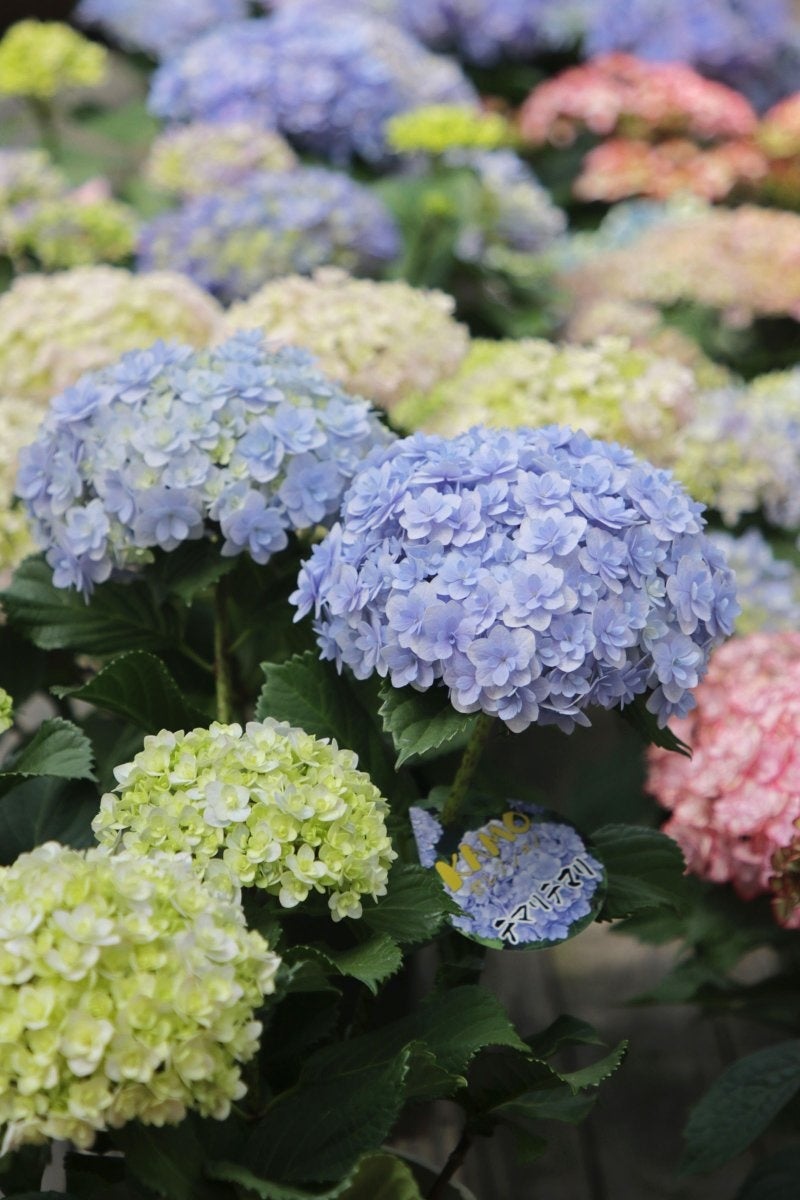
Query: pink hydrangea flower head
736,803
625,167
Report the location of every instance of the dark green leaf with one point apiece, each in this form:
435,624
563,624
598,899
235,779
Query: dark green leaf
564,1031
236,1173
383,1177
119,617
644,869
646,725
414,908
140,688
529,1146
593,1075
422,724
370,962
169,1161
44,810
739,1106
190,569
58,750
773,1178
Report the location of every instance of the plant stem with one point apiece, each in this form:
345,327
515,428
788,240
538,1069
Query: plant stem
469,763
459,1153
45,118
222,666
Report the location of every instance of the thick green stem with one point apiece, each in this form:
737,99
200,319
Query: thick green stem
222,665
469,763
45,118
451,1166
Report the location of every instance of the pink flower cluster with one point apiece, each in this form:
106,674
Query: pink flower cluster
623,167
622,94
736,803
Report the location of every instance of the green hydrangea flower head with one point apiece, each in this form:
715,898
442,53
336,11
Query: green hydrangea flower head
128,988
609,389
38,59
285,811
68,232
6,710
437,128
202,157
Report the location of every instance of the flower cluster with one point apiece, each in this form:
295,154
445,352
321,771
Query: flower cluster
608,389
624,167
327,79
736,802
285,223
147,452
68,231
534,572
519,218
28,175
54,328
380,340
127,992
438,128
717,35
741,451
19,421
486,32
155,28
38,59
284,811
767,588
744,262
202,157
620,94
779,131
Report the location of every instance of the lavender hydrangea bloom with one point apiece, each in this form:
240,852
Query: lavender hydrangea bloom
533,572
283,223
173,444
485,32
157,28
768,588
325,78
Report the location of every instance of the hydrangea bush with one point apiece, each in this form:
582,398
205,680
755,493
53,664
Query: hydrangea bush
154,28
27,175
171,444
39,59
271,225
380,340
534,572
200,158
68,231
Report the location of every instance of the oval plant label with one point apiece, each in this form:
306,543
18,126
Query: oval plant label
523,880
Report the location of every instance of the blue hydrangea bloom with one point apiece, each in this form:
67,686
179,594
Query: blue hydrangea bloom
157,28
327,79
170,444
485,32
534,572
282,223
768,588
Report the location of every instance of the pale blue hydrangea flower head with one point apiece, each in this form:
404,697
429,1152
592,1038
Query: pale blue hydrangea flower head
157,28
327,79
534,572
282,223
171,444
767,587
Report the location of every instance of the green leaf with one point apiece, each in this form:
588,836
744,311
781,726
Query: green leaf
644,869
646,725
564,1031
308,692
45,810
236,1173
169,1160
138,687
119,617
58,750
318,1130
190,569
773,1178
383,1177
414,908
370,962
739,1106
422,724
596,1072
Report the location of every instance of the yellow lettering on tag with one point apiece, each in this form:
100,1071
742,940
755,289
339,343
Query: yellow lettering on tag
470,857
516,822
449,874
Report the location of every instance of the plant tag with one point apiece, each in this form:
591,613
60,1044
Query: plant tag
523,879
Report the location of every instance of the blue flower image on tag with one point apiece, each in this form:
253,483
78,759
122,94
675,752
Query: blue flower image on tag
523,880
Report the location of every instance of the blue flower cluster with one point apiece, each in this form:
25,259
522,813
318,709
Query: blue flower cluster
767,588
157,28
281,223
485,32
171,443
327,79
534,572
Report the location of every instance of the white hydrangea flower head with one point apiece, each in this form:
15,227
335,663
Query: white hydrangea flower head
19,421
284,811
128,989
381,340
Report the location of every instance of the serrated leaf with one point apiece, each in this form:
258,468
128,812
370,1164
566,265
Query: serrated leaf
564,1031
190,569
308,692
317,1131
644,869
414,908
119,617
58,750
370,962
422,724
231,1172
168,1160
739,1106
773,1178
140,688
44,810
646,725
426,1079
383,1177
593,1075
